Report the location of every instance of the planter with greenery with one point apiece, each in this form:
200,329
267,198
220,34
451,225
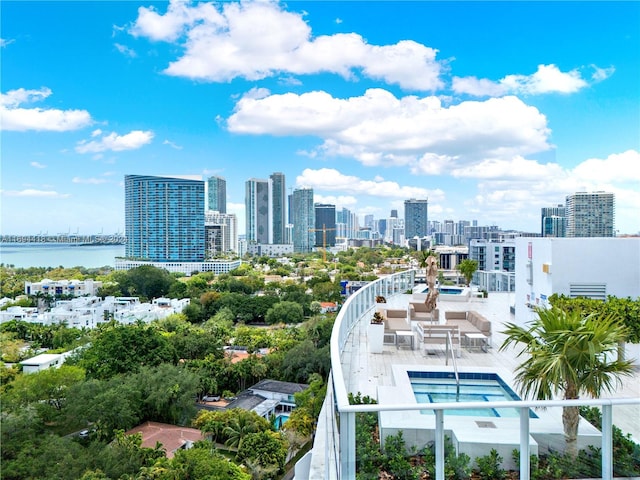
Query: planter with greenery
381,303
375,333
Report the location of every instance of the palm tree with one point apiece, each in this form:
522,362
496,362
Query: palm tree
467,268
568,354
237,429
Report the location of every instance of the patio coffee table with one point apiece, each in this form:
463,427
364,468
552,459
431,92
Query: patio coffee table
408,337
476,340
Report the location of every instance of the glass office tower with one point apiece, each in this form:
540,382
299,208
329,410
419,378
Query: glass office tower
257,210
278,207
217,194
164,218
303,220
415,218
325,225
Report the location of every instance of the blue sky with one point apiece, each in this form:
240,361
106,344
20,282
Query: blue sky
491,110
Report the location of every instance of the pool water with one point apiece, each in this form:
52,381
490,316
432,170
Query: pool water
446,291
280,420
440,387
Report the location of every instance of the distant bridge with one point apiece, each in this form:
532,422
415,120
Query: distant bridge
66,238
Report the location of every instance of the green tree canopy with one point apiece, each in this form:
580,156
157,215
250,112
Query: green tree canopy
200,463
305,359
124,349
467,268
46,390
145,281
626,309
265,448
284,312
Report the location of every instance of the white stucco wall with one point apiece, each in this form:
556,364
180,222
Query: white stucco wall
614,262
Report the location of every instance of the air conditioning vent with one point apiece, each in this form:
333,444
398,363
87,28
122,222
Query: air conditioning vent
597,291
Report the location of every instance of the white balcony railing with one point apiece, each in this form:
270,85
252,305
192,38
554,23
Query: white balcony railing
334,454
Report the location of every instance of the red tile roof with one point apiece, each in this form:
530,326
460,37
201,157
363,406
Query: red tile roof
172,437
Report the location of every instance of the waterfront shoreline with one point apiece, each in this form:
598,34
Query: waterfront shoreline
45,255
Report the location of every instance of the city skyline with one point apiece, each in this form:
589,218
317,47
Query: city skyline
369,104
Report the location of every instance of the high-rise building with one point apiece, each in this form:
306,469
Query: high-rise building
449,227
395,230
368,221
217,194
554,226
303,220
553,221
415,218
590,214
278,208
347,224
343,223
221,233
382,228
257,210
325,225
164,218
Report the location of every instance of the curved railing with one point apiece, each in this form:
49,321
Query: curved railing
334,452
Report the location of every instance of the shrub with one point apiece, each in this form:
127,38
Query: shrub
396,460
490,466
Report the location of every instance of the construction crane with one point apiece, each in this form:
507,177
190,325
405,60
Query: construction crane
324,231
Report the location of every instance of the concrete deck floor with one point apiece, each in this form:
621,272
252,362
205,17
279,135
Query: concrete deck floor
364,371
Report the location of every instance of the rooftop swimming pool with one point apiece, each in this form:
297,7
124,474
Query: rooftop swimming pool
445,290
440,387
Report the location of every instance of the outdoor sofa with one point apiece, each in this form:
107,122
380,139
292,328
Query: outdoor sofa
469,322
395,319
418,311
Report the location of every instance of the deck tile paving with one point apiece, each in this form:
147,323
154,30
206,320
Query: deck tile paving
364,371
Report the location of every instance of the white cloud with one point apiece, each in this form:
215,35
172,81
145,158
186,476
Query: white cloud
37,165
340,201
255,40
15,118
331,180
174,22
31,192
126,51
478,87
14,98
289,81
547,79
89,181
380,129
518,189
114,142
516,168
600,74
172,145
6,42
432,164
616,168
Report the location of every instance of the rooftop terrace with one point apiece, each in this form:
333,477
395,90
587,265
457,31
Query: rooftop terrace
361,371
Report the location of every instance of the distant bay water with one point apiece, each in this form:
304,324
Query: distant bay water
55,255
